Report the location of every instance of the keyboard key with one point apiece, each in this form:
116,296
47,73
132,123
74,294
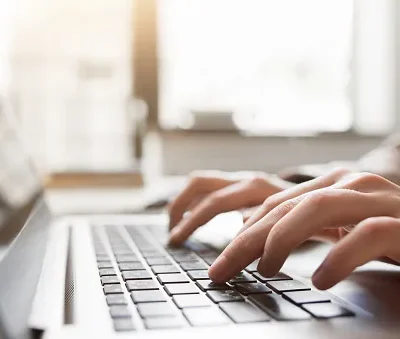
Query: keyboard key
252,267
243,277
193,265
198,275
177,251
157,269
123,251
147,296
112,289
252,288
279,276
151,253
109,280
140,285
136,275
224,296
243,312
304,297
278,308
127,258
207,285
116,299
172,278
191,300
163,309
104,264
206,316
287,285
131,266
185,257
327,310
185,288
106,272
102,257
120,312
158,261
209,260
123,325
163,323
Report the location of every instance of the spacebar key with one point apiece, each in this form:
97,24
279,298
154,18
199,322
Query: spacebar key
279,308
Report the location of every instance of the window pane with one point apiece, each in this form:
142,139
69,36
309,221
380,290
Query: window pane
277,65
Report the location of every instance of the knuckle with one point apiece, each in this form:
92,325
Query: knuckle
367,179
339,172
319,199
285,207
371,227
257,181
275,235
270,203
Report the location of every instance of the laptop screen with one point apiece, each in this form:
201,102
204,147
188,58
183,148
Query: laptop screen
24,224
19,183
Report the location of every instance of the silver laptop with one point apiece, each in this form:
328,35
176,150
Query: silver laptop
114,276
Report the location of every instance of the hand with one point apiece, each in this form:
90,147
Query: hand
210,193
331,202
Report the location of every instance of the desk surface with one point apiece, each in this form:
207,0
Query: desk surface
129,200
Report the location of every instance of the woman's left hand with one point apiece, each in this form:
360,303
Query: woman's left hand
368,201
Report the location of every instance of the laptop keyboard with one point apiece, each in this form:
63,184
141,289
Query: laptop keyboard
148,285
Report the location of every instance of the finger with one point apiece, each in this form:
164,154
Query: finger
197,186
248,212
247,246
319,209
320,182
370,240
233,197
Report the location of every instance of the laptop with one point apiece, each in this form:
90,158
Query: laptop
114,276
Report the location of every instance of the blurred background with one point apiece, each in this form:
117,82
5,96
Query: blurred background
197,84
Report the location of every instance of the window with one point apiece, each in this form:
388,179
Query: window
278,66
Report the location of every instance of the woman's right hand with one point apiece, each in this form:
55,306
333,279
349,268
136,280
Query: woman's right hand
209,193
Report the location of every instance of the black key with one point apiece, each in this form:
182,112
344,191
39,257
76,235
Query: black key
151,253
140,285
164,322
207,285
131,266
252,288
185,288
136,275
287,285
191,300
127,258
123,325
109,280
159,261
206,316
172,278
193,265
102,257
120,312
252,267
123,251
243,312
209,260
116,299
147,296
198,247
279,276
198,275
224,296
157,269
112,289
278,308
106,271
162,309
305,297
327,310
243,277
104,264
185,257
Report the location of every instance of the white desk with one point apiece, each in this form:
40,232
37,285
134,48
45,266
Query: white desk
76,201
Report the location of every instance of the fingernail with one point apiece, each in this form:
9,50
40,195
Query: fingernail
219,269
